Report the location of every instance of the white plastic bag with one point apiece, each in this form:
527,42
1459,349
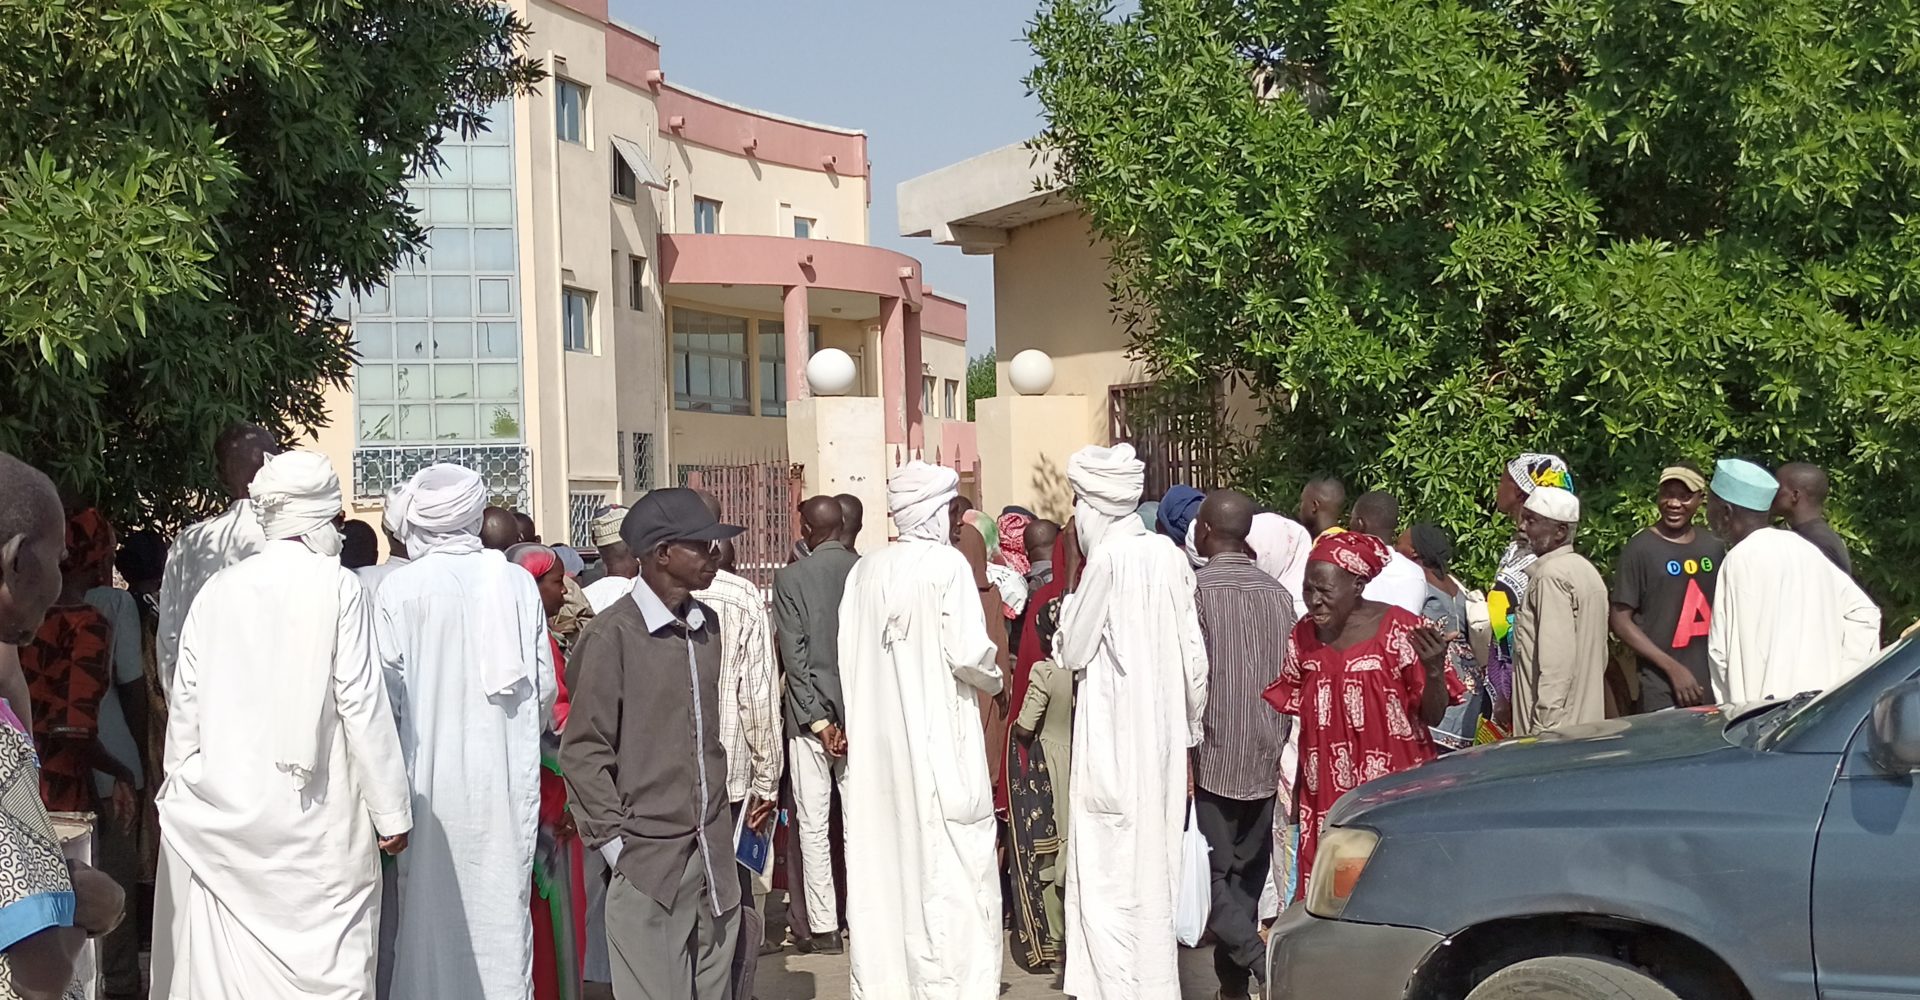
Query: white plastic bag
1196,884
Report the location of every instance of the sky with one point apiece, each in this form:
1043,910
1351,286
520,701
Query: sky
931,83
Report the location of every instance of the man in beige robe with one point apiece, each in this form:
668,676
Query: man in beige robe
1560,632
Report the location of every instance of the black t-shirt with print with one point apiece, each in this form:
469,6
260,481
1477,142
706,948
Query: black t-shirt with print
1670,588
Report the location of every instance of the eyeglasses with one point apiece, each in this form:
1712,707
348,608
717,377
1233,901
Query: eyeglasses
708,548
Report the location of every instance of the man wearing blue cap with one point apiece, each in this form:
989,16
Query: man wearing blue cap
1785,618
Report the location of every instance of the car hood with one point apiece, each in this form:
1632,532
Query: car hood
1613,745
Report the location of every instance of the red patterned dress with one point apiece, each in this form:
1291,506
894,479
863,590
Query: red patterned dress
1359,712
68,667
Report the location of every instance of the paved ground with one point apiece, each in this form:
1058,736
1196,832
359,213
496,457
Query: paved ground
790,976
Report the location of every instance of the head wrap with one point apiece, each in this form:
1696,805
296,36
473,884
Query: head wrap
1744,484
1013,540
89,544
533,557
1017,509
1556,504
1178,508
917,498
1280,545
570,558
1534,470
441,511
1042,605
1149,513
296,494
1106,490
396,504
1690,478
1364,556
1191,545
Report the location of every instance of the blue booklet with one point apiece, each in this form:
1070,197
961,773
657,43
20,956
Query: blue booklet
753,849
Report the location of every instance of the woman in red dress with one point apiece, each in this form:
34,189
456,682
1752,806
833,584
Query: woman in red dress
1365,680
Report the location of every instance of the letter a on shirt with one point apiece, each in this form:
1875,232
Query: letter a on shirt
1696,617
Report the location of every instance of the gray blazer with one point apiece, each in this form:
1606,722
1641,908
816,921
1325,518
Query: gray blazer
806,613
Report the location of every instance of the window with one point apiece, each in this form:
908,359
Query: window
626,184
709,362
772,369
637,283
569,110
951,388
928,385
578,319
706,215
802,228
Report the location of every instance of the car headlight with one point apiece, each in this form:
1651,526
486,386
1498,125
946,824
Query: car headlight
1342,855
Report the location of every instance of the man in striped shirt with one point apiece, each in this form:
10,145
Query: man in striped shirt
1245,616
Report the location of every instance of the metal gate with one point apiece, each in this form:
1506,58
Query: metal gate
761,496
1179,441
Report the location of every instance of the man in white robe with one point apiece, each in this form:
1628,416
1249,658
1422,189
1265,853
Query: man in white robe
463,637
1785,618
923,887
371,576
1131,634
212,545
284,775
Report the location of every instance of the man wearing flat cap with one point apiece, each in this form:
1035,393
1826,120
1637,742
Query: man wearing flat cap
1663,595
645,764
1785,618
1560,631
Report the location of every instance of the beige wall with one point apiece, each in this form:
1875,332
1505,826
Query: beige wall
1020,461
761,199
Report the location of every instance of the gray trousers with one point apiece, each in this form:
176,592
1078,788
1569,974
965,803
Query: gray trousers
677,952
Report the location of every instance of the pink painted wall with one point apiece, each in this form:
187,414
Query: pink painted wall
944,318
722,259
717,126
630,57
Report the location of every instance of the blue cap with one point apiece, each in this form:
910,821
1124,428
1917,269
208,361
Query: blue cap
1744,484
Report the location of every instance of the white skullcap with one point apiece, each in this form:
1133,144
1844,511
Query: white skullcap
1555,504
917,497
294,493
440,509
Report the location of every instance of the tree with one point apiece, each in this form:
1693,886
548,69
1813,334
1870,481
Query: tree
185,186
983,379
1431,234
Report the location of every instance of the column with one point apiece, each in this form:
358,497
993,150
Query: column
793,301
893,372
916,384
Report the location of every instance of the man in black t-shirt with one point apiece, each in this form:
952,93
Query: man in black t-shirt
1663,595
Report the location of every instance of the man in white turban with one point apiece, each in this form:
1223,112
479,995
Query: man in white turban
372,576
1131,634
284,774
463,637
923,893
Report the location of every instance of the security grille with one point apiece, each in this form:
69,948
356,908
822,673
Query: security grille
642,462
582,508
507,469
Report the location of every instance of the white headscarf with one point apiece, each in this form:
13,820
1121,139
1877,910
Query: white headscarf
440,511
396,506
1280,547
297,495
917,497
1192,545
1106,490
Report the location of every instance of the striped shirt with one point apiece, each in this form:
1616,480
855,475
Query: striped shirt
1245,616
749,705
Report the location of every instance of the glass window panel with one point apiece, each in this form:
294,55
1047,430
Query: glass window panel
453,296
376,423
375,340
448,205
679,374
699,380
410,341
416,423
375,382
453,422
452,381
498,382
503,423
492,206
417,201
452,248
737,379
376,300
498,128
496,297
500,340
411,382
453,340
453,165
492,165
410,296
493,249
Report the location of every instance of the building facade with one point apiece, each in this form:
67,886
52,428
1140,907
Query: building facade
623,282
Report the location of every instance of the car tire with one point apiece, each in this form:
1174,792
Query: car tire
1570,977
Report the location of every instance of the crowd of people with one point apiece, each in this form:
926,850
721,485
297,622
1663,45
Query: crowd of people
484,769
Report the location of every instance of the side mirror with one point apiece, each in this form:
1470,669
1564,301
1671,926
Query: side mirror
1894,743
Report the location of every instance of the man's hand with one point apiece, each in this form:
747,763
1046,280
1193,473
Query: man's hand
99,902
834,739
759,814
1431,647
124,807
1687,689
393,845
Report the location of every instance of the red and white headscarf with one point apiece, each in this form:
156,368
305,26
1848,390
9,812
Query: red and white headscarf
1013,541
1362,555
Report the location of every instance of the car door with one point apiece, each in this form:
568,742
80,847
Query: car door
1866,878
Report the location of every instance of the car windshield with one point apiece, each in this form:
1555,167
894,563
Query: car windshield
1778,724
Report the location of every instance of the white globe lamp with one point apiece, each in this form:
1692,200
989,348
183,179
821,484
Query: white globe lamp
1030,373
830,372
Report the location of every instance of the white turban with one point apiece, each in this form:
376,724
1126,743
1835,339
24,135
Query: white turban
917,497
1106,490
1555,504
396,506
297,495
1280,546
440,511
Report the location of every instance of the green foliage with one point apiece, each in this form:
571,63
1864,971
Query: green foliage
983,380
184,187
1432,234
